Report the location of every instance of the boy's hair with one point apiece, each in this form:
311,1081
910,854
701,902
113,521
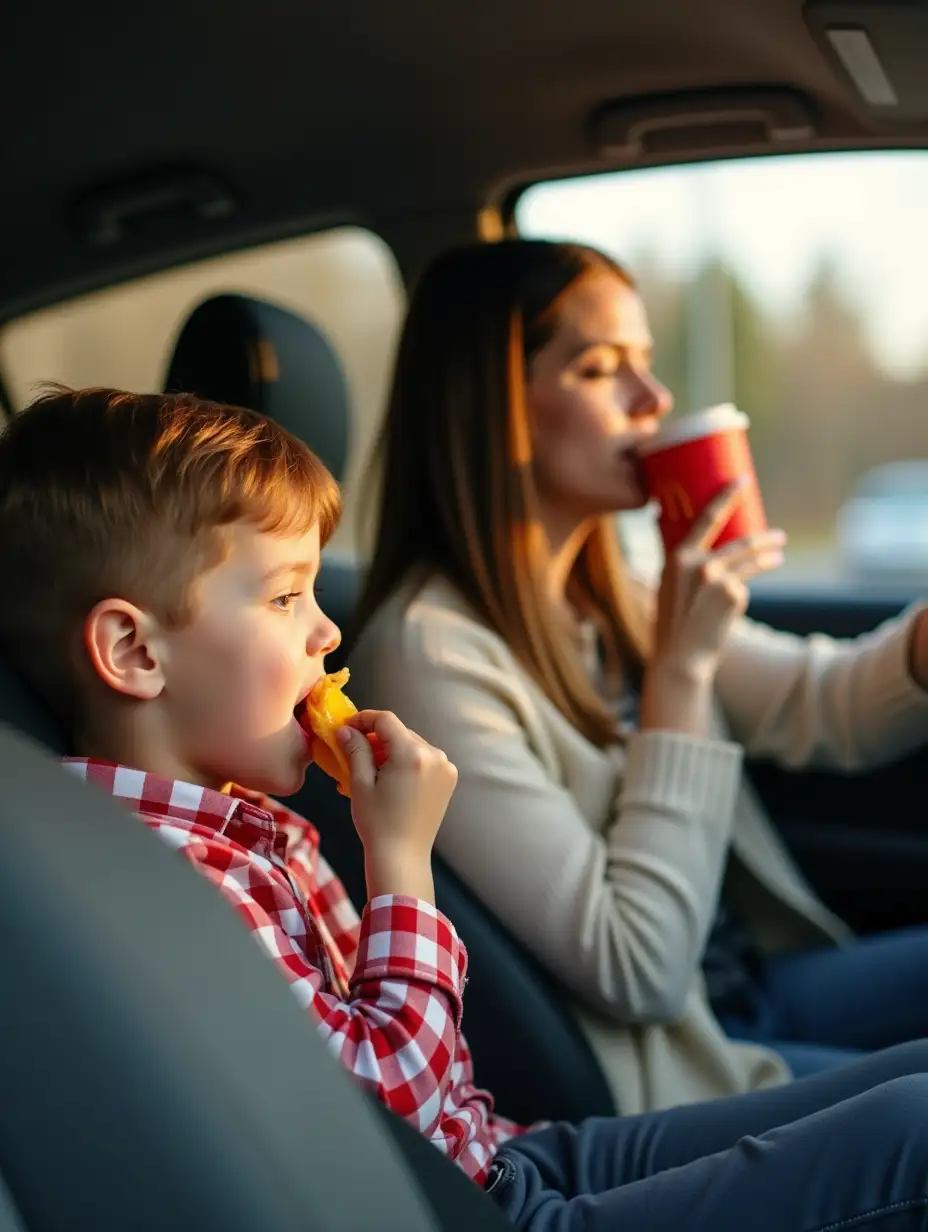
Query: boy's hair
104,493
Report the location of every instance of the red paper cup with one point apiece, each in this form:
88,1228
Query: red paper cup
690,461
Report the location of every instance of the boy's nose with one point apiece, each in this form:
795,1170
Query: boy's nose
323,641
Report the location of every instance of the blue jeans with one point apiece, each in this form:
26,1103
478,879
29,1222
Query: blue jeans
847,1149
824,1007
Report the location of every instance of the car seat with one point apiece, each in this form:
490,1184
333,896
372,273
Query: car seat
156,1071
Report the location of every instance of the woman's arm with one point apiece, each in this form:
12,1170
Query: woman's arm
621,917
817,701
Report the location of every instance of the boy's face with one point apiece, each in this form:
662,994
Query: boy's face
252,651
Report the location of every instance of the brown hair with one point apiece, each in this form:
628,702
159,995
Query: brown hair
104,493
458,497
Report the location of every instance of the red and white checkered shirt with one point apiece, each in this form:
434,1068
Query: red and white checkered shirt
384,990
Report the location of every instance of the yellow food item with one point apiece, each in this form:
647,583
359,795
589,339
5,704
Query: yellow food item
326,710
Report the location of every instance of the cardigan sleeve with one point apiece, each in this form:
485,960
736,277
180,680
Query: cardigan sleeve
818,701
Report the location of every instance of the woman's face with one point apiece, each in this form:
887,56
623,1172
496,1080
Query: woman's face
592,398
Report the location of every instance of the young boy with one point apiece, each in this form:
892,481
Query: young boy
160,554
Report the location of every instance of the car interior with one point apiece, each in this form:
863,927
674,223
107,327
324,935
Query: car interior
141,139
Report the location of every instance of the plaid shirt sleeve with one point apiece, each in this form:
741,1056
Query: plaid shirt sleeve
398,1030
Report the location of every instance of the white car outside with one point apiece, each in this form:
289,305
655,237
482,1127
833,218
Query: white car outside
882,531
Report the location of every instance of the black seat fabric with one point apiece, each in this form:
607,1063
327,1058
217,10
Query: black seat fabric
139,1090
23,711
526,1045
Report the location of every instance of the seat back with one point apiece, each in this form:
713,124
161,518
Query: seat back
527,1047
22,710
139,1090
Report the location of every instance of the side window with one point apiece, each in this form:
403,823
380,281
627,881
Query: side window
795,287
344,281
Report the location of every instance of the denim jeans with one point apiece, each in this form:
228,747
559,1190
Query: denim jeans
822,1008
846,1149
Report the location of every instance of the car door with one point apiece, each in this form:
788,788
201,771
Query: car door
861,839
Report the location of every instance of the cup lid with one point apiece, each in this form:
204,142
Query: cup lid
722,418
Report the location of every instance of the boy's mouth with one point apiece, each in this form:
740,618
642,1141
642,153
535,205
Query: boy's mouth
302,722
300,709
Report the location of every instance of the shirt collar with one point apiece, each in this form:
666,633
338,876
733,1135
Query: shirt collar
239,819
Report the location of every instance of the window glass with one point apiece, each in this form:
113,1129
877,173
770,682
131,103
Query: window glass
344,281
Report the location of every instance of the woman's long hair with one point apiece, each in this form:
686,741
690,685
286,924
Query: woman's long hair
457,492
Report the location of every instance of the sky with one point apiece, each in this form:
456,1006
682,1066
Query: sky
774,220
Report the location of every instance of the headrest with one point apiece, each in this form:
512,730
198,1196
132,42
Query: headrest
249,353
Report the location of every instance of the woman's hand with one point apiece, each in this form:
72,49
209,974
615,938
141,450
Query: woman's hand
702,593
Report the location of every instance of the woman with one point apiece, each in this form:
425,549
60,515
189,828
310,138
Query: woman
598,727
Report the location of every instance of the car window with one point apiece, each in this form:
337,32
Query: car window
345,281
795,287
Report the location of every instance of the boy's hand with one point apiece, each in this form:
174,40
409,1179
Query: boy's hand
398,809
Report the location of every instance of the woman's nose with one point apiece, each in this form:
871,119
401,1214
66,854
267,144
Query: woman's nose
651,397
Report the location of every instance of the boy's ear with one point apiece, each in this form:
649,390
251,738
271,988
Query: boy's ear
121,640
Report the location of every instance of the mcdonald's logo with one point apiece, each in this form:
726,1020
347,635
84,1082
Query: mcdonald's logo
675,501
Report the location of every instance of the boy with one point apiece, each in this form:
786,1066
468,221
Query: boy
160,554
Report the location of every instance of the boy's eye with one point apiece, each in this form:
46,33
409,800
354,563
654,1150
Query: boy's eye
285,602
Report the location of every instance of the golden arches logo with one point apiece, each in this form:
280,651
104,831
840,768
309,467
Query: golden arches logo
675,501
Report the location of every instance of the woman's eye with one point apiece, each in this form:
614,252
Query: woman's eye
285,602
597,373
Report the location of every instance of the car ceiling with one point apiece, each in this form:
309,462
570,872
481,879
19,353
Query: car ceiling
307,113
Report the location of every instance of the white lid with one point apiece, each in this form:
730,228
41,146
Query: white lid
722,418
